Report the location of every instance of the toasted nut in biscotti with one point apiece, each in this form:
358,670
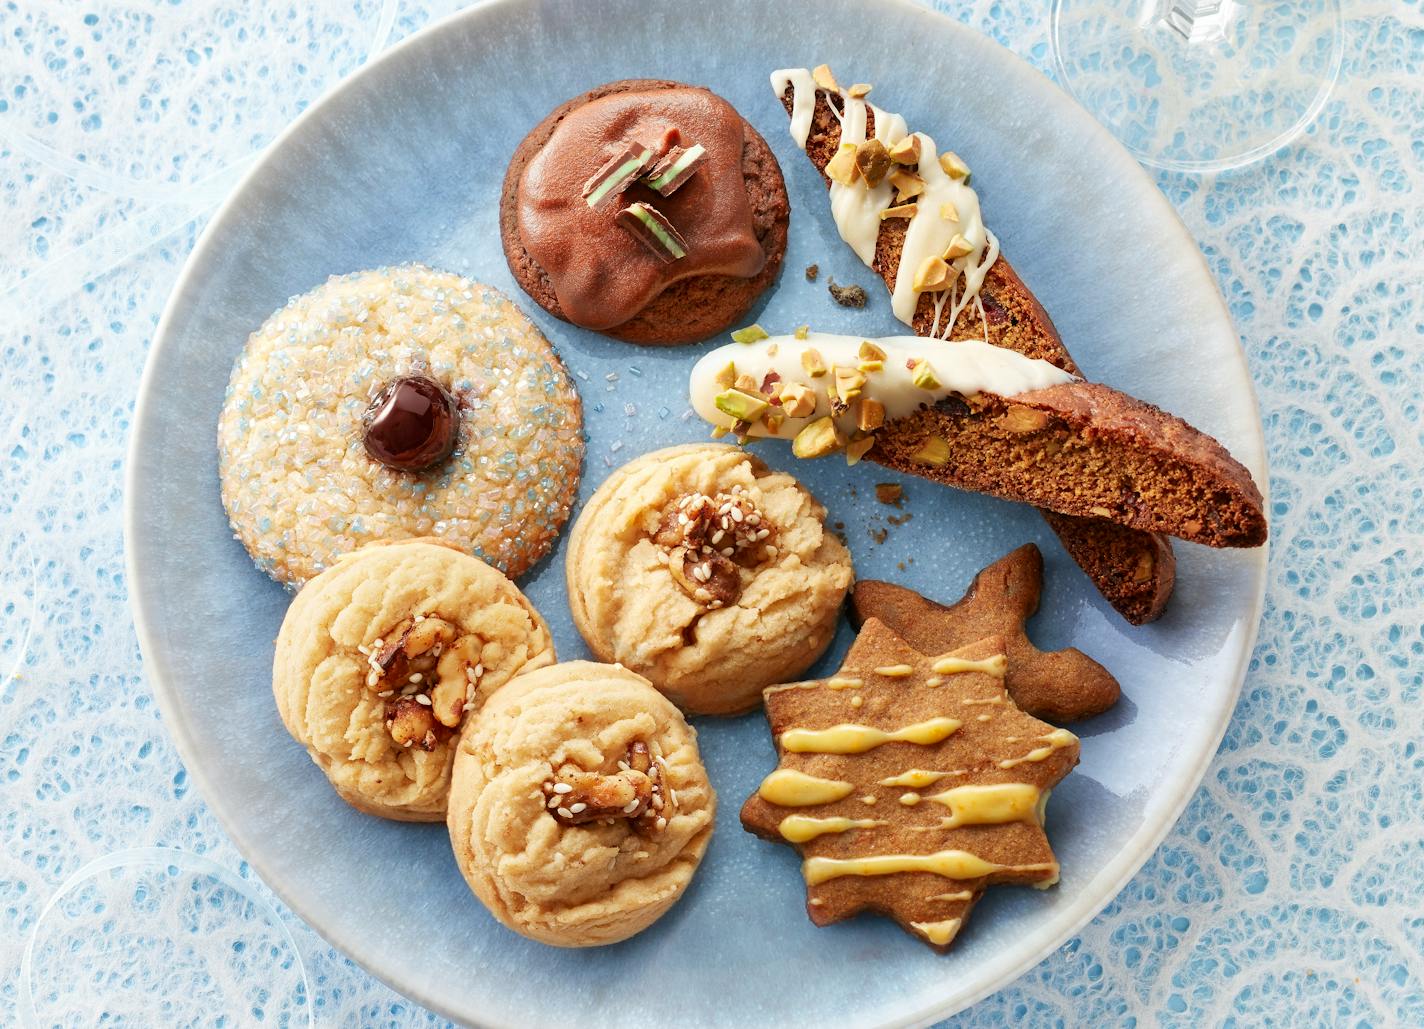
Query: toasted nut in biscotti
910,783
1059,686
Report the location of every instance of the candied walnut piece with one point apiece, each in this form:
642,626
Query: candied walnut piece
427,673
707,540
635,792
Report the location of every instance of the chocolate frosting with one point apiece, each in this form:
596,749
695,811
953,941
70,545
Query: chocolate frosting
601,274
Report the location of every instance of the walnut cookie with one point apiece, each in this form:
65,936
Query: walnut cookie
579,807
707,572
381,657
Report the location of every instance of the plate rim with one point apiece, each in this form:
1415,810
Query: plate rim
1131,856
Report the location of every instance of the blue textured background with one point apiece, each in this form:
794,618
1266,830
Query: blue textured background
1292,889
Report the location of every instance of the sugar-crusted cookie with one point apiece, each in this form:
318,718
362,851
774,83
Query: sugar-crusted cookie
645,209
397,403
910,784
579,808
382,657
707,572
1060,685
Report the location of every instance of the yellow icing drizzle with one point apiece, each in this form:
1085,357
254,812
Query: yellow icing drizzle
857,739
918,778
787,787
939,933
961,895
952,864
948,664
910,799
844,684
895,671
982,700
800,828
989,805
1055,740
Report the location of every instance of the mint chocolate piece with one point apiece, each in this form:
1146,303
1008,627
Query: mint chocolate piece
653,230
618,174
675,168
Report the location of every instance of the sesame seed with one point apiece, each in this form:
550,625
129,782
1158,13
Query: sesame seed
661,823
576,808
417,677
423,700
565,812
553,803
386,693
563,787
631,806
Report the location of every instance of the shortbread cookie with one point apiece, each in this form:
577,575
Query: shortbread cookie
708,572
1131,568
987,419
579,809
910,784
647,210
392,404
382,657
1060,685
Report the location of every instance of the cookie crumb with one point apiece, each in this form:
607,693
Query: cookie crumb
899,519
879,535
889,493
812,271
847,296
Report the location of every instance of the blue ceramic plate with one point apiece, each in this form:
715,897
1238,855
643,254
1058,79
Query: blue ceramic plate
403,163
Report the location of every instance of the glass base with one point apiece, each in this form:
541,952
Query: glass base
1199,86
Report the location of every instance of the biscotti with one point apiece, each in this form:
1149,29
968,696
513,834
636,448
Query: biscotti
1113,556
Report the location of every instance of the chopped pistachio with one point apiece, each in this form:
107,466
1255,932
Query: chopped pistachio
858,448
812,270
933,451
744,407
718,431
772,348
818,439
813,362
842,167
873,160
924,375
949,212
900,211
932,274
727,377
803,331
871,415
953,166
958,247
849,382
823,78
746,383
1020,419
798,400
773,421
750,334
870,366
870,352
858,90
907,184
907,151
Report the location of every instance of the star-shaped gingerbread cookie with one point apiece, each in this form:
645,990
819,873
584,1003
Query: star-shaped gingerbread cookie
910,784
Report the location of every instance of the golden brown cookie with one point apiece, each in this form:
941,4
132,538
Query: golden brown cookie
381,658
910,784
1060,685
579,807
707,572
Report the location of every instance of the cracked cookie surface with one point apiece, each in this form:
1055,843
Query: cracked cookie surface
579,807
670,575
383,656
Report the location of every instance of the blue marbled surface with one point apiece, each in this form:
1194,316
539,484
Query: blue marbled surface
1290,890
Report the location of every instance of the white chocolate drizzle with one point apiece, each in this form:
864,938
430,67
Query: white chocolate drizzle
856,208
965,367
